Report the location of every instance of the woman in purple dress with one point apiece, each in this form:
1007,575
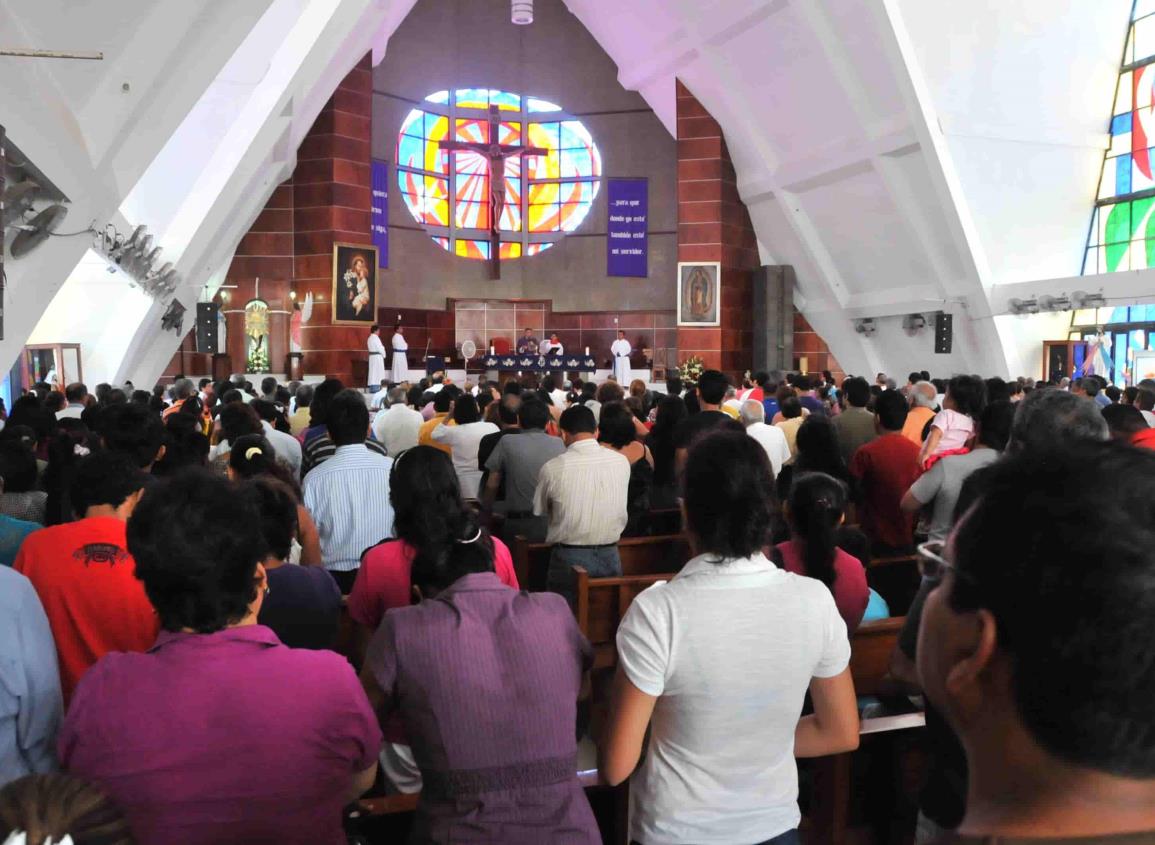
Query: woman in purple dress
486,681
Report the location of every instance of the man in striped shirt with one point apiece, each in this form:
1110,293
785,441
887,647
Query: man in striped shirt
348,495
582,493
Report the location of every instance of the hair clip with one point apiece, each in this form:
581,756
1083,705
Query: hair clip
252,450
476,537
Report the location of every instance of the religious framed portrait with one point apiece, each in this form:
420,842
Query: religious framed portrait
354,284
699,287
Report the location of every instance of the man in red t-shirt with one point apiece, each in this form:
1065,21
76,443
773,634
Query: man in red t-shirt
884,469
84,575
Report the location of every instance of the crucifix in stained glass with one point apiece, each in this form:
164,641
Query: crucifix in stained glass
495,154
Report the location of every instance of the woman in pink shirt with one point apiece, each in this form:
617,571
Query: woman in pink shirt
815,510
427,502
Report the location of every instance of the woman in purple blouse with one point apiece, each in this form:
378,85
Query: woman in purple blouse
486,681
219,733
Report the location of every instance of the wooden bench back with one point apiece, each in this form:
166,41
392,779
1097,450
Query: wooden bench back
870,649
602,604
639,556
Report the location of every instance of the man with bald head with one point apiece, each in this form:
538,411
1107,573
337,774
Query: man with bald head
922,411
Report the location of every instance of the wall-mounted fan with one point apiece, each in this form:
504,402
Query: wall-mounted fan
35,231
468,351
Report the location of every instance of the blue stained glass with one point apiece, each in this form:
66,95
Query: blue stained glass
1123,175
412,125
505,100
474,98
1121,123
1118,314
410,151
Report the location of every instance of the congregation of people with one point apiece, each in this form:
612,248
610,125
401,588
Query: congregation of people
232,610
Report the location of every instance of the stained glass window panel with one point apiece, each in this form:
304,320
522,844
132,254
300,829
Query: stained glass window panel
1144,39
558,187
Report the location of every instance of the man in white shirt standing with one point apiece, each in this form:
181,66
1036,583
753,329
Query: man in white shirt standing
397,427
621,350
583,494
400,359
376,358
771,438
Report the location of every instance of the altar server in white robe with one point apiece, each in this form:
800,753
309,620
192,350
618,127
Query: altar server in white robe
552,346
400,360
376,359
621,350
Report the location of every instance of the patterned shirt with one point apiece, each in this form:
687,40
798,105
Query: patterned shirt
583,491
348,497
319,449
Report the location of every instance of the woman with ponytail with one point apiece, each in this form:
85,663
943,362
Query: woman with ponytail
428,517
482,680
252,457
814,512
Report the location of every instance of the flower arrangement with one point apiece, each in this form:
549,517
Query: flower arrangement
691,370
258,360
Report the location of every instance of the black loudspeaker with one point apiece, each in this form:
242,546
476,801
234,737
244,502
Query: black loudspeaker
1058,362
207,327
943,333
773,318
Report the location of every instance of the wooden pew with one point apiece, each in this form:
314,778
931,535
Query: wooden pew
870,649
896,579
601,605
639,556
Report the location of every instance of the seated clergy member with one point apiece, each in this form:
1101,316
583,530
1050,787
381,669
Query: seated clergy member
884,470
84,573
426,498
717,663
516,463
582,492
30,703
1054,714
527,343
219,733
485,680
552,346
348,495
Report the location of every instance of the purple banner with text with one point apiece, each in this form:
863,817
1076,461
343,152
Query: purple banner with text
627,247
379,209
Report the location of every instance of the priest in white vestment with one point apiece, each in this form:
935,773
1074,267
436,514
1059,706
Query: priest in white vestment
376,359
400,360
621,350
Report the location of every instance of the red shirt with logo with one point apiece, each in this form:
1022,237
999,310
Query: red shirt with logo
86,580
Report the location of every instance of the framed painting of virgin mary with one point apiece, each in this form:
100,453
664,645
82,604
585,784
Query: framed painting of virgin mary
698,293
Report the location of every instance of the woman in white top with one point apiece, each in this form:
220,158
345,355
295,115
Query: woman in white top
717,663
464,438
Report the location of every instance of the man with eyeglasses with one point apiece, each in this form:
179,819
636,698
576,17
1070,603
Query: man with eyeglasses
1035,644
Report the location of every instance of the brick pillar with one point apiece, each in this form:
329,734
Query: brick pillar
809,345
713,225
331,194
265,252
